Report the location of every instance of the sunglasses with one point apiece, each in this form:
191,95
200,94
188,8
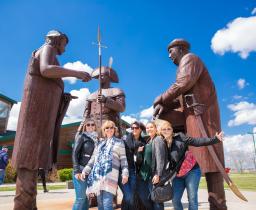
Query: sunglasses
166,129
134,128
88,125
109,128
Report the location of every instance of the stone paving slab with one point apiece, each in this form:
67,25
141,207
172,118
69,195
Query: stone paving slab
63,200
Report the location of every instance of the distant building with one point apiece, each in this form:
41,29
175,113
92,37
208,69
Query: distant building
5,108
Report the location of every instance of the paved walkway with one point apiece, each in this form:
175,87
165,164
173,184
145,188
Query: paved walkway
63,200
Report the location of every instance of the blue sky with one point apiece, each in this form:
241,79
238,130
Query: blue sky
137,34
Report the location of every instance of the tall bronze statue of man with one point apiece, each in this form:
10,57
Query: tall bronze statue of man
112,100
196,87
41,110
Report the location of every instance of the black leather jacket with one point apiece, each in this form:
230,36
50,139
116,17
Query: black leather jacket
82,151
179,146
131,148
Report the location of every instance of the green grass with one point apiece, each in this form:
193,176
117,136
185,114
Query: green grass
244,181
49,187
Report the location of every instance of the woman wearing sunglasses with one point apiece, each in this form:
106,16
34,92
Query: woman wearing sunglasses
85,140
132,142
103,168
184,164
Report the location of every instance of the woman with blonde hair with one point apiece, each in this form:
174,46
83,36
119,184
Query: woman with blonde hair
183,163
153,158
103,168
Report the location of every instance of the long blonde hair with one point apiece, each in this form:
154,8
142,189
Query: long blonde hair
154,124
166,124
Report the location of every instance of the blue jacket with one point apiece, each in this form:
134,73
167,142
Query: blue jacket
3,159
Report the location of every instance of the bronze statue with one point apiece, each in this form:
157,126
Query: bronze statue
112,99
199,102
42,110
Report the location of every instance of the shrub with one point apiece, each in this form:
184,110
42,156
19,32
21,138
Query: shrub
10,174
65,174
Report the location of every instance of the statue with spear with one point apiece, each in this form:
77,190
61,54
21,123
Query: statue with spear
107,102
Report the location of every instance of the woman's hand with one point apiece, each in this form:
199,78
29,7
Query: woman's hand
83,176
78,176
140,149
155,179
220,135
124,179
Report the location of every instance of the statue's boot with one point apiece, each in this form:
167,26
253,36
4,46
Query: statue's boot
216,193
26,184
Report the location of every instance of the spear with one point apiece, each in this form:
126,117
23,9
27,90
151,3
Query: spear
99,57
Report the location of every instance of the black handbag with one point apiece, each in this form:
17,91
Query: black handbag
162,193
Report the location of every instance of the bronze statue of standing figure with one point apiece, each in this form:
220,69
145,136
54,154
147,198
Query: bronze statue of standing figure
201,111
112,100
42,110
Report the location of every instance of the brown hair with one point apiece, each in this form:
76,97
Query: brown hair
140,125
85,122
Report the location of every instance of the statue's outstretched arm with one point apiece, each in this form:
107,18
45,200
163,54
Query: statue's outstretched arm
47,69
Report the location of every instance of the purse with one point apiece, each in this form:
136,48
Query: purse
92,200
163,193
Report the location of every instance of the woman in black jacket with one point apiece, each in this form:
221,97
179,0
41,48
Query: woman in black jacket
85,141
183,164
132,142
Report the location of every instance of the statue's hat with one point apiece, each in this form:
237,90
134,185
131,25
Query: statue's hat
105,69
179,42
56,33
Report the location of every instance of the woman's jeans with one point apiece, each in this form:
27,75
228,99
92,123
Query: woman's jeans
2,174
81,202
144,189
105,200
190,182
128,190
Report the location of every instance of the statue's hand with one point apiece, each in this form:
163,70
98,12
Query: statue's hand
84,76
101,98
158,100
158,110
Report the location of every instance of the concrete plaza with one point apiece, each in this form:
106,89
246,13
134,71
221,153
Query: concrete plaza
63,200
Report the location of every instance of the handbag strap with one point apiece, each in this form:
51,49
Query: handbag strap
172,175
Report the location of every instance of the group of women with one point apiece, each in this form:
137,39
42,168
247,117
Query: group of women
135,164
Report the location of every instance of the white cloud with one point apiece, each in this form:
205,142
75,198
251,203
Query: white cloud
79,66
238,37
128,118
239,151
144,120
237,97
147,113
238,142
244,113
143,116
253,11
241,83
76,107
13,117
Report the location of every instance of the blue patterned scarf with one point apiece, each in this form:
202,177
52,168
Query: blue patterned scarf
103,163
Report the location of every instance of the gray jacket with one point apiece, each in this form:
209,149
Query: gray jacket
159,156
